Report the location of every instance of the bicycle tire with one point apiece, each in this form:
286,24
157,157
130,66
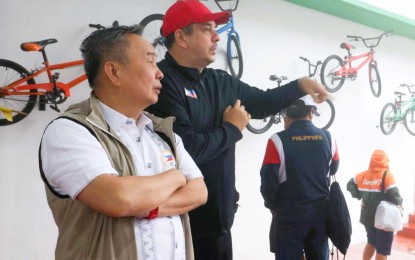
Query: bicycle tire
9,72
234,56
409,121
152,32
326,114
259,126
375,82
387,119
327,75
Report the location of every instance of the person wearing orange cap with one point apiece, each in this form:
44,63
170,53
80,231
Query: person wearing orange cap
212,108
367,186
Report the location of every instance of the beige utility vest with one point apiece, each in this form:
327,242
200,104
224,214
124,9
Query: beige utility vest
85,233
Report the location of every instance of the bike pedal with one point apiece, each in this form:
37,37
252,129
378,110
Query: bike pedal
54,107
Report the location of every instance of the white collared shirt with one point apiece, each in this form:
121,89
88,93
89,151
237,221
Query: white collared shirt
72,158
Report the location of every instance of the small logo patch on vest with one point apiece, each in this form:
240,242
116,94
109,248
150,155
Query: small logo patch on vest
168,159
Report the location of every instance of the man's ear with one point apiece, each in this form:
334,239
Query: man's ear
112,72
180,38
311,114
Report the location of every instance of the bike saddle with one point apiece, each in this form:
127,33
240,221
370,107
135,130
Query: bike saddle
347,46
399,93
36,46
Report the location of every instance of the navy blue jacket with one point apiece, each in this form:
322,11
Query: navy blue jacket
198,102
295,171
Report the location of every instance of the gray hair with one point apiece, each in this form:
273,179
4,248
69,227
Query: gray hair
104,45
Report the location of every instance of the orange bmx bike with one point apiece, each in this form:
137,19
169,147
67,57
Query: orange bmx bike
19,92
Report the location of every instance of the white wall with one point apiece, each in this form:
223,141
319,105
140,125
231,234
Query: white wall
273,34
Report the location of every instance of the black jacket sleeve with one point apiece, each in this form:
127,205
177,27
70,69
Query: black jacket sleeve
202,146
353,189
394,196
263,103
206,145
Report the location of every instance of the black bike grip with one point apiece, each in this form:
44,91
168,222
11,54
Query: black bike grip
96,26
304,59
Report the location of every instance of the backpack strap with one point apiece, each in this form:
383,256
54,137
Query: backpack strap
327,133
383,182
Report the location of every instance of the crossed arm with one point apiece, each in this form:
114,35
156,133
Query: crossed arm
68,166
138,195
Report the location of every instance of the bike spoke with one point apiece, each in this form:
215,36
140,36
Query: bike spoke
20,102
389,118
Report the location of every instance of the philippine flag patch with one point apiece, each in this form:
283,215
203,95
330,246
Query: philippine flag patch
190,93
168,159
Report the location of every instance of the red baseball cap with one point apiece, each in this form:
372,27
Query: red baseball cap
185,12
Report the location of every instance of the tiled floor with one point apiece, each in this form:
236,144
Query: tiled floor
403,248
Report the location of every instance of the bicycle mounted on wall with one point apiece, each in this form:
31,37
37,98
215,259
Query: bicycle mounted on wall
323,115
336,70
326,112
152,32
400,111
19,91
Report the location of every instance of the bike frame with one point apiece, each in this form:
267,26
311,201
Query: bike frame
231,30
344,71
408,105
16,88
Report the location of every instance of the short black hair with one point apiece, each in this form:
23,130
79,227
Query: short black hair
298,109
106,44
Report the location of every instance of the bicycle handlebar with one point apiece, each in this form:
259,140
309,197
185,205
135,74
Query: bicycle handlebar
229,10
309,62
99,26
310,65
96,26
409,87
364,40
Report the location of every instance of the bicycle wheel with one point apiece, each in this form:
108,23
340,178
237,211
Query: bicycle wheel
324,115
409,121
22,104
234,56
152,33
328,76
387,119
259,126
374,80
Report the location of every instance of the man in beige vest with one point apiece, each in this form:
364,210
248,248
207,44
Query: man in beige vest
119,181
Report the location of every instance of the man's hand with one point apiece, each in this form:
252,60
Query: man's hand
236,115
316,90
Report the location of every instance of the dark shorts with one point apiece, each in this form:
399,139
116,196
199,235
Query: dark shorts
379,239
295,238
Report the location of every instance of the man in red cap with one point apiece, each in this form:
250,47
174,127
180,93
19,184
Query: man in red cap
211,109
